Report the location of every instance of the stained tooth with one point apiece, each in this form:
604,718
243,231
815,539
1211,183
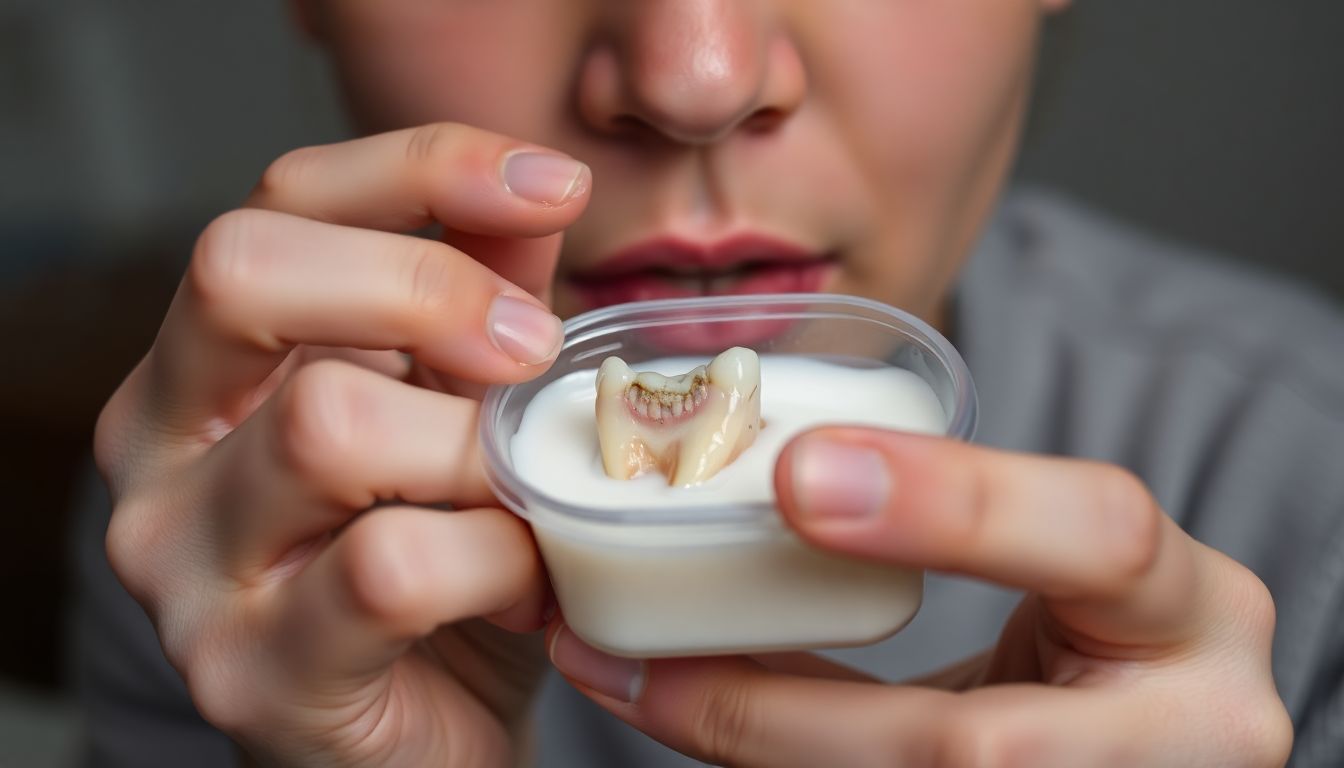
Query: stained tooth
701,420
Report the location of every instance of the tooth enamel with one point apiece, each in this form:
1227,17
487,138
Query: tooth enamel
688,427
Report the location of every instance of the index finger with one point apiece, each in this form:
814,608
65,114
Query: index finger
1086,536
464,178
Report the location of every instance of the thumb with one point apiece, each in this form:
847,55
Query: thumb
734,710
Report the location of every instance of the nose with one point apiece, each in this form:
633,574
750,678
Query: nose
691,71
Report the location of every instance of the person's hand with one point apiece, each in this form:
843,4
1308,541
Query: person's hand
1136,644
272,459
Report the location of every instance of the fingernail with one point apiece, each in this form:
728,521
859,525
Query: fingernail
523,331
545,179
838,480
621,679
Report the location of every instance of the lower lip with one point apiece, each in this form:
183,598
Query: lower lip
803,277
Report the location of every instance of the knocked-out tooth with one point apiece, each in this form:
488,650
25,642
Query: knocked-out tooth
688,427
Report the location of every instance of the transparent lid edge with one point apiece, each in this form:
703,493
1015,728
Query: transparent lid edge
517,493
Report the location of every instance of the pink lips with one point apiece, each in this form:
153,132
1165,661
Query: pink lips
665,268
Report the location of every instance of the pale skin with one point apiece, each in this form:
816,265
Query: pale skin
275,456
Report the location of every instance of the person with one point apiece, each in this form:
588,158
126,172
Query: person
1146,536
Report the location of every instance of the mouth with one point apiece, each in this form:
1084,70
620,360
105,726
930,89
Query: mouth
671,268
666,268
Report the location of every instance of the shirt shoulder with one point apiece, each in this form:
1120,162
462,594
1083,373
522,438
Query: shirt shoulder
1221,386
1130,287
1057,286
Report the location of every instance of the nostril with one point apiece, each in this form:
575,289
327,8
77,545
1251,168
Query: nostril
764,120
628,126
690,72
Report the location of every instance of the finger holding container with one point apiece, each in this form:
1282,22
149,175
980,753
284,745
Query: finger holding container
658,561
267,456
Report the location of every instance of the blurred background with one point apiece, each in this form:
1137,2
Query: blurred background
125,125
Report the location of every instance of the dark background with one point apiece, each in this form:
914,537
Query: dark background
125,126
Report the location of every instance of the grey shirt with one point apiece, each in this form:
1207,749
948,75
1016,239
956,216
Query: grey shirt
1222,389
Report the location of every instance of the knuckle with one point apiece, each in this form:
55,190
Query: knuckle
316,421
429,277
965,741
111,439
1136,523
427,141
1254,603
1258,730
375,579
221,266
722,721
130,546
976,738
287,172
107,443
976,499
217,692
1274,729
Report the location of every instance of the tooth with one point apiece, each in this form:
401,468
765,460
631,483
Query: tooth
688,427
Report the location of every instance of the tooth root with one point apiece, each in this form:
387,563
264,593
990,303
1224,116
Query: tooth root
730,415
690,427
623,455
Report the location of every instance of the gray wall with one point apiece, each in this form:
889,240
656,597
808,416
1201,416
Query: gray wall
1217,121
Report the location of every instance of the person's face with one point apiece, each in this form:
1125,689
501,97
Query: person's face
852,146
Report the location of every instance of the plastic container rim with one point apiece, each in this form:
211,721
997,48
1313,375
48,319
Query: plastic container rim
519,496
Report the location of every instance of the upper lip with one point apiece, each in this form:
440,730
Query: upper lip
676,255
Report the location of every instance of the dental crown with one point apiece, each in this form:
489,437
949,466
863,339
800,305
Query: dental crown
687,427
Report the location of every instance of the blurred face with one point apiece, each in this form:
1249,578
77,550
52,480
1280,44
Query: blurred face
736,146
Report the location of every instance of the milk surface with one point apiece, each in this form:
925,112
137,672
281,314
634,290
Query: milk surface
556,448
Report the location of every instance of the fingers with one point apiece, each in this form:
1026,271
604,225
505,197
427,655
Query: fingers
1085,535
804,664
262,282
393,576
335,440
732,711
462,177
528,263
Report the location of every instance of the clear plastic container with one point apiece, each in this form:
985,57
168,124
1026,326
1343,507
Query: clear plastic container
714,579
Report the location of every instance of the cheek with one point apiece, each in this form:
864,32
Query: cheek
926,97
499,66
925,91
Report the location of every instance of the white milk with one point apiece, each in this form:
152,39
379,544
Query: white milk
692,589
